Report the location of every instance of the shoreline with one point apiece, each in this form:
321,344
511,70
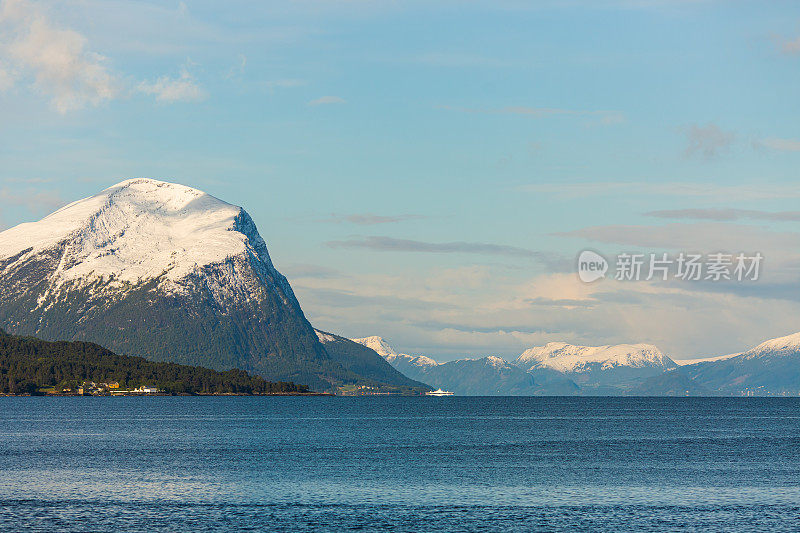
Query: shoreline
161,394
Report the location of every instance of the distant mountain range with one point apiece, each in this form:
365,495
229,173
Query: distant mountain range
771,368
598,369
486,376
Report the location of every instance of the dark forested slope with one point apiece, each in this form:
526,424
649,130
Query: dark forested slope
28,364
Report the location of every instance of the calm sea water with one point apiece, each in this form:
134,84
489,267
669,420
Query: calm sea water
399,464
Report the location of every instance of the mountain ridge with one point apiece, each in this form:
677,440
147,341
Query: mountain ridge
489,375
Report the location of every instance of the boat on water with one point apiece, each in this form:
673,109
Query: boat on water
438,392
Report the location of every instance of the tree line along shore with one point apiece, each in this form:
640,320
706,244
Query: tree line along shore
31,366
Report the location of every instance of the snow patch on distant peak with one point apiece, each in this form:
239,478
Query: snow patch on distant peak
686,362
324,337
421,360
570,358
378,344
787,345
497,362
137,230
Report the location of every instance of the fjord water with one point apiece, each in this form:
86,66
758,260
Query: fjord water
399,464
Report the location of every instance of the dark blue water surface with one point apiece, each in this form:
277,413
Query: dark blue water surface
399,464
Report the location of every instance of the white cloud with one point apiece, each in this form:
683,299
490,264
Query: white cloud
605,117
791,47
58,63
703,236
284,83
6,78
708,140
57,60
486,312
170,90
668,188
237,70
780,145
328,100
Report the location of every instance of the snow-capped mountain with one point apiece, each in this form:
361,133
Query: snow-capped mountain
136,231
163,271
598,366
485,376
684,362
570,358
378,344
364,361
782,346
771,368
401,361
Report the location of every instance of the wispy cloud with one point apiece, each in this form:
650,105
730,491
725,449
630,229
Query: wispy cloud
391,244
58,63
704,237
604,116
683,189
707,141
305,270
458,60
57,60
183,88
27,180
238,68
789,46
722,215
327,100
6,78
36,201
284,83
369,219
779,145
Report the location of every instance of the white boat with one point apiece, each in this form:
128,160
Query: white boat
438,392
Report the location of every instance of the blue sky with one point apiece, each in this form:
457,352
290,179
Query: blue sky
428,171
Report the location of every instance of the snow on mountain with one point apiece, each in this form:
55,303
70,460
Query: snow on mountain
770,369
364,361
686,362
378,344
788,345
497,362
565,357
489,375
324,337
387,352
137,230
170,273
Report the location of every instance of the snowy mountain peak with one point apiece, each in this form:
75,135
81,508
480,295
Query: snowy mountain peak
422,360
787,345
383,349
570,358
497,362
134,231
378,344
